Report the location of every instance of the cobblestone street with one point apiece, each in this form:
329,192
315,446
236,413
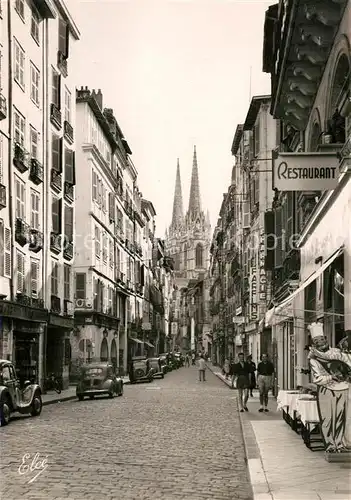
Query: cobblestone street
172,439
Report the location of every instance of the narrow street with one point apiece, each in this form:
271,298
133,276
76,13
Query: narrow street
172,439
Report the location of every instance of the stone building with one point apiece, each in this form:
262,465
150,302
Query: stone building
188,243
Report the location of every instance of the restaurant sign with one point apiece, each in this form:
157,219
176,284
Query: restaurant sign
305,171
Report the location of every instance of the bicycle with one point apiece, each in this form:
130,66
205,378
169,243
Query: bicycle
52,383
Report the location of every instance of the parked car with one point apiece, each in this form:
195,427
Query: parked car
140,370
159,369
13,398
98,379
164,359
179,359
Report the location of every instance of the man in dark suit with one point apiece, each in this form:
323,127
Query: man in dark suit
241,372
265,374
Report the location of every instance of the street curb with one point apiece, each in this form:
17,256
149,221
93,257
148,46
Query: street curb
67,398
258,479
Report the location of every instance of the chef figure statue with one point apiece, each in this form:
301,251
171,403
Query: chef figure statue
331,372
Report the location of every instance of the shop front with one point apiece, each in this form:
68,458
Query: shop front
58,347
22,330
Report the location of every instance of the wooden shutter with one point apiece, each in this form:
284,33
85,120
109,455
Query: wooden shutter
70,176
7,256
81,286
56,215
2,247
69,223
246,215
257,187
142,275
56,151
111,207
278,255
94,185
62,43
20,272
111,253
270,240
34,277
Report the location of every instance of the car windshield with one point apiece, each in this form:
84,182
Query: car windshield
93,371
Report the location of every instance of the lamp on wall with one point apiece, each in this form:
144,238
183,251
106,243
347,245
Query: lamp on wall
105,333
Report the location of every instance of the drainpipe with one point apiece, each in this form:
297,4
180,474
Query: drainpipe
10,153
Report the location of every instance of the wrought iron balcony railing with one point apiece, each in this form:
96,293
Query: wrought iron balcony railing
3,107
62,63
36,173
68,250
2,196
36,240
68,132
69,191
55,304
55,242
21,232
20,159
55,116
56,181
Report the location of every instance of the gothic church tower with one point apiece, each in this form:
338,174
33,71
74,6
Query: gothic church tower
189,236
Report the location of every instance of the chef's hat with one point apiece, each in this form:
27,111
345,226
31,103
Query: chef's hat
316,330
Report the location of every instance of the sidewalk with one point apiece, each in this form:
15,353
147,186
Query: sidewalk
67,395
280,465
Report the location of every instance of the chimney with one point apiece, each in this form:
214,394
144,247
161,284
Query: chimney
98,97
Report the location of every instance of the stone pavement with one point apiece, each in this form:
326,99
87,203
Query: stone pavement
280,465
175,438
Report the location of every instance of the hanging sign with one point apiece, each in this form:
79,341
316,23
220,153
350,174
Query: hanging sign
305,171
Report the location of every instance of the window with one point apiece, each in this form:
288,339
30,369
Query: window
103,196
34,84
99,192
56,208
19,128
63,38
19,6
56,89
54,277
69,223
111,253
198,255
80,286
111,207
34,27
34,139
20,271
257,138
19,64
94,185
70,167
1,154
34,277
35,209
56,152
20,199
97,242
66,282
5,250
68,99
104,248
278,254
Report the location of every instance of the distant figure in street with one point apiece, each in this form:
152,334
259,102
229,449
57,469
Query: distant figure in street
241,371
226,367
265,372
252,374
202,368
187,360
193,359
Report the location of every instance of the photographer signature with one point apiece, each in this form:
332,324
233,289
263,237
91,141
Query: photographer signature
37,465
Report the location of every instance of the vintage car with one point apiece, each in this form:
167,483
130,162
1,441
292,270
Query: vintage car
164,359
179,360
13,397
97,379
159,368
140,370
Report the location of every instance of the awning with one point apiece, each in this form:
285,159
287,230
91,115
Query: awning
148,343
284,309
136,340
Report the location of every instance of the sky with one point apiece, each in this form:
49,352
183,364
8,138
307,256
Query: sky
177,74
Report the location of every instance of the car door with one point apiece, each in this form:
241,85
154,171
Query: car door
10,381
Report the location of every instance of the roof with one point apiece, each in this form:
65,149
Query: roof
147,204
254,108
237,138
271,18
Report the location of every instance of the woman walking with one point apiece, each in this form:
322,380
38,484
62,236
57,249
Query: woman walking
252,375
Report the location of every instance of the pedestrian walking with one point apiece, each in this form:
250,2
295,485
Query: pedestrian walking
193,359
226,367
241,372
202,368
265,373
187,360
252,374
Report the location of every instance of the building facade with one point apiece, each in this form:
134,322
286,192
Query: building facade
311,98
37,140
188,244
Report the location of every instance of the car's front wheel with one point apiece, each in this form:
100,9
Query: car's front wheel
37,405
80,397
5,412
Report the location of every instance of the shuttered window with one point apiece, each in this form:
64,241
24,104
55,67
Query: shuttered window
20,272
54,278
111,207
104,247
69,223
67,282
2,247
20,199
56,215
56,89
70,174
94,185
34,277
80,286
278,255
56,152
246,215
111,251
97,242
63,38
35,208
7,256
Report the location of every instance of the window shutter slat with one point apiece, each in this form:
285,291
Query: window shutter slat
7,256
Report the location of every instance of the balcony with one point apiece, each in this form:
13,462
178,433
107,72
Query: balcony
68,308
38,303
68,132
21,232
20,158
68,250
36,240
56,181
55,242
2,196
62,63
121,279
28,301
36,173
55,116
291,265
68,191
55,304
3,107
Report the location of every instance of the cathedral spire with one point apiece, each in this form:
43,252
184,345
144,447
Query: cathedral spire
178,211
194,198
